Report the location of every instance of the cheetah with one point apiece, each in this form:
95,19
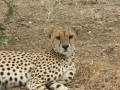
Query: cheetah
48,70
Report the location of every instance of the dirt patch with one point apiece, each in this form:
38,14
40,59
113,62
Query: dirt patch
98,46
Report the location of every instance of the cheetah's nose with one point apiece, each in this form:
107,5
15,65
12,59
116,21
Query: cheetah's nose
65,47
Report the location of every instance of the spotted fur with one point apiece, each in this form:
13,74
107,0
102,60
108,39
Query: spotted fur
37,70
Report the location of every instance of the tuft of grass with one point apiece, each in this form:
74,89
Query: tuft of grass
2,34
4,38
10,12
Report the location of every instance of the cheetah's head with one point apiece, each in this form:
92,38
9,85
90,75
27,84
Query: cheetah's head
63,39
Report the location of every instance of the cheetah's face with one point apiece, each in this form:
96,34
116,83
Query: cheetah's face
63,40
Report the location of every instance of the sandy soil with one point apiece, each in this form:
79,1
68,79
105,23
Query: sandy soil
98,46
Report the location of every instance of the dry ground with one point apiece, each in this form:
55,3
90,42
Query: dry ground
98,46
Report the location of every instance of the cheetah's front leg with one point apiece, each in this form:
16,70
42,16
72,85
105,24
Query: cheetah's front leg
59,84
56,86
68,74
67,77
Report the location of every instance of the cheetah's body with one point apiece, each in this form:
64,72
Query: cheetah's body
35,70
17,67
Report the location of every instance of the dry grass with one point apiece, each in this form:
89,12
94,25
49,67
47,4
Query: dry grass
98,46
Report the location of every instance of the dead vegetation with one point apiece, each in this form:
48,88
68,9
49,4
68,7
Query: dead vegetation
98,46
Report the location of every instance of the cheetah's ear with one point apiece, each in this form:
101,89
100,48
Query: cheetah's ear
77,30
47,32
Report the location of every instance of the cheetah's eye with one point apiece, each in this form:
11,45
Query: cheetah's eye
71,36
58,37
